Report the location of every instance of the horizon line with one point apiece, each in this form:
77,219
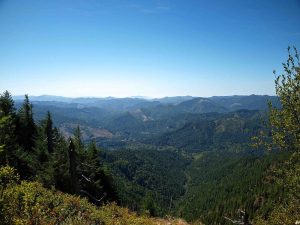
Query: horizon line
17,97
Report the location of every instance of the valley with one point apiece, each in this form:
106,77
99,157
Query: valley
149,112
187,158
131,120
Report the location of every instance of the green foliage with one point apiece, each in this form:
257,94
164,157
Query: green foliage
39,152
197,166
284,125
7,140
213,131
285,121
282,215
60,163
221,183
7,104
44,160
148,205
8,175
49,132
287,211
92,172
27,127
30,203
148,181
95,181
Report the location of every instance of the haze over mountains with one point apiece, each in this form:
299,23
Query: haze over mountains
157,148
115,123
180,103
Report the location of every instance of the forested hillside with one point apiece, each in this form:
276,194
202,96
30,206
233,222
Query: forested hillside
149,112
149,179
40,169
221,183
197,159
161,124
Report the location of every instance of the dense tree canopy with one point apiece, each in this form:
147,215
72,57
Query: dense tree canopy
40,152
203,169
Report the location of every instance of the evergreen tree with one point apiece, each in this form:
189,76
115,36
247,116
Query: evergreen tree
73,168
27,127
91,173
148,205
40,152
61,164
8,154
76,157
78,142
43,159
7,105
108,185
26,132
92,179
49,133
7,141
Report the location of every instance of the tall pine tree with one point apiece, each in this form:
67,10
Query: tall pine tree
9,147
27,127
49,133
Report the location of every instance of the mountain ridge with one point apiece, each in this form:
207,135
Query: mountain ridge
165,105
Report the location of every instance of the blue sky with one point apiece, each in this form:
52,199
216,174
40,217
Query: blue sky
144,47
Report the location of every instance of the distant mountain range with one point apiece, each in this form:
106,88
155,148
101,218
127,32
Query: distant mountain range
177,104
161,121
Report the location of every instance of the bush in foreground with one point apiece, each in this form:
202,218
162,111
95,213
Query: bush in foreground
30,203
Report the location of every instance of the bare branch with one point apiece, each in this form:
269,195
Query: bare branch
92,197
86,178
234,221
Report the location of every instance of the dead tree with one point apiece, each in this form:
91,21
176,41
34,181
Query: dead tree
88,194
242,220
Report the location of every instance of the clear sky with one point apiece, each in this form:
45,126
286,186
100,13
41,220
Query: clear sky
144,47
